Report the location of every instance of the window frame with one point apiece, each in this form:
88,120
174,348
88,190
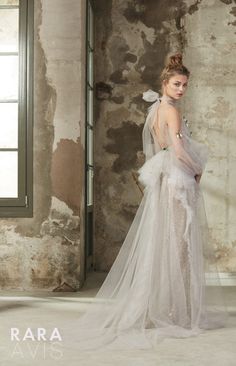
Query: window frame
89,137
23,205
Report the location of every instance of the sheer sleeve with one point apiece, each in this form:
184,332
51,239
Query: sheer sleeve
189,155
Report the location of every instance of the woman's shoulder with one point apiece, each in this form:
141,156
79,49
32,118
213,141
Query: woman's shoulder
169,111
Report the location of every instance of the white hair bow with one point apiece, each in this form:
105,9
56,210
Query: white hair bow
150,95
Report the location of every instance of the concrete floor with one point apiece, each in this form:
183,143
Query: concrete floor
49,310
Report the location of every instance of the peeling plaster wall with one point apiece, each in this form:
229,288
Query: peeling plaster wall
132,40
43,252
211,53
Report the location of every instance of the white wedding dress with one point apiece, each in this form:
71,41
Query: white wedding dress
156,287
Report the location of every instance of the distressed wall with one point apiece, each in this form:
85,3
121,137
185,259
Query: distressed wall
43,252
132,40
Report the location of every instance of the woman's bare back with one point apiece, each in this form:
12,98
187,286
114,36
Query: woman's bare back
166,115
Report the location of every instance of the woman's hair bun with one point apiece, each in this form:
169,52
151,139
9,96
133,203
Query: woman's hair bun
175,60
174,65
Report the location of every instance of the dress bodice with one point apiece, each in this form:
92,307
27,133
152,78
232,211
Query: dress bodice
184,152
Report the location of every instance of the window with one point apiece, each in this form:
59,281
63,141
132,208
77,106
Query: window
16,90
89,136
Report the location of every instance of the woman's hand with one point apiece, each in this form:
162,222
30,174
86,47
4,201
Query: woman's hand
197,177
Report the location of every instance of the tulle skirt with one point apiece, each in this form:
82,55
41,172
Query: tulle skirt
157,286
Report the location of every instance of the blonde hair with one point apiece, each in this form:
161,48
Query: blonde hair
174,66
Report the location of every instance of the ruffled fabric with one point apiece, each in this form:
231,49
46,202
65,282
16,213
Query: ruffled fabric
150,172
166,162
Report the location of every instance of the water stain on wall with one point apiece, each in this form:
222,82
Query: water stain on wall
126,142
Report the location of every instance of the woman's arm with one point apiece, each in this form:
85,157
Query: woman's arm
181,149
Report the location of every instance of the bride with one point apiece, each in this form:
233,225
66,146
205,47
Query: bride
157,286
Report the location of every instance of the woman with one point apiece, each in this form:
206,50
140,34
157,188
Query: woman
156,287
